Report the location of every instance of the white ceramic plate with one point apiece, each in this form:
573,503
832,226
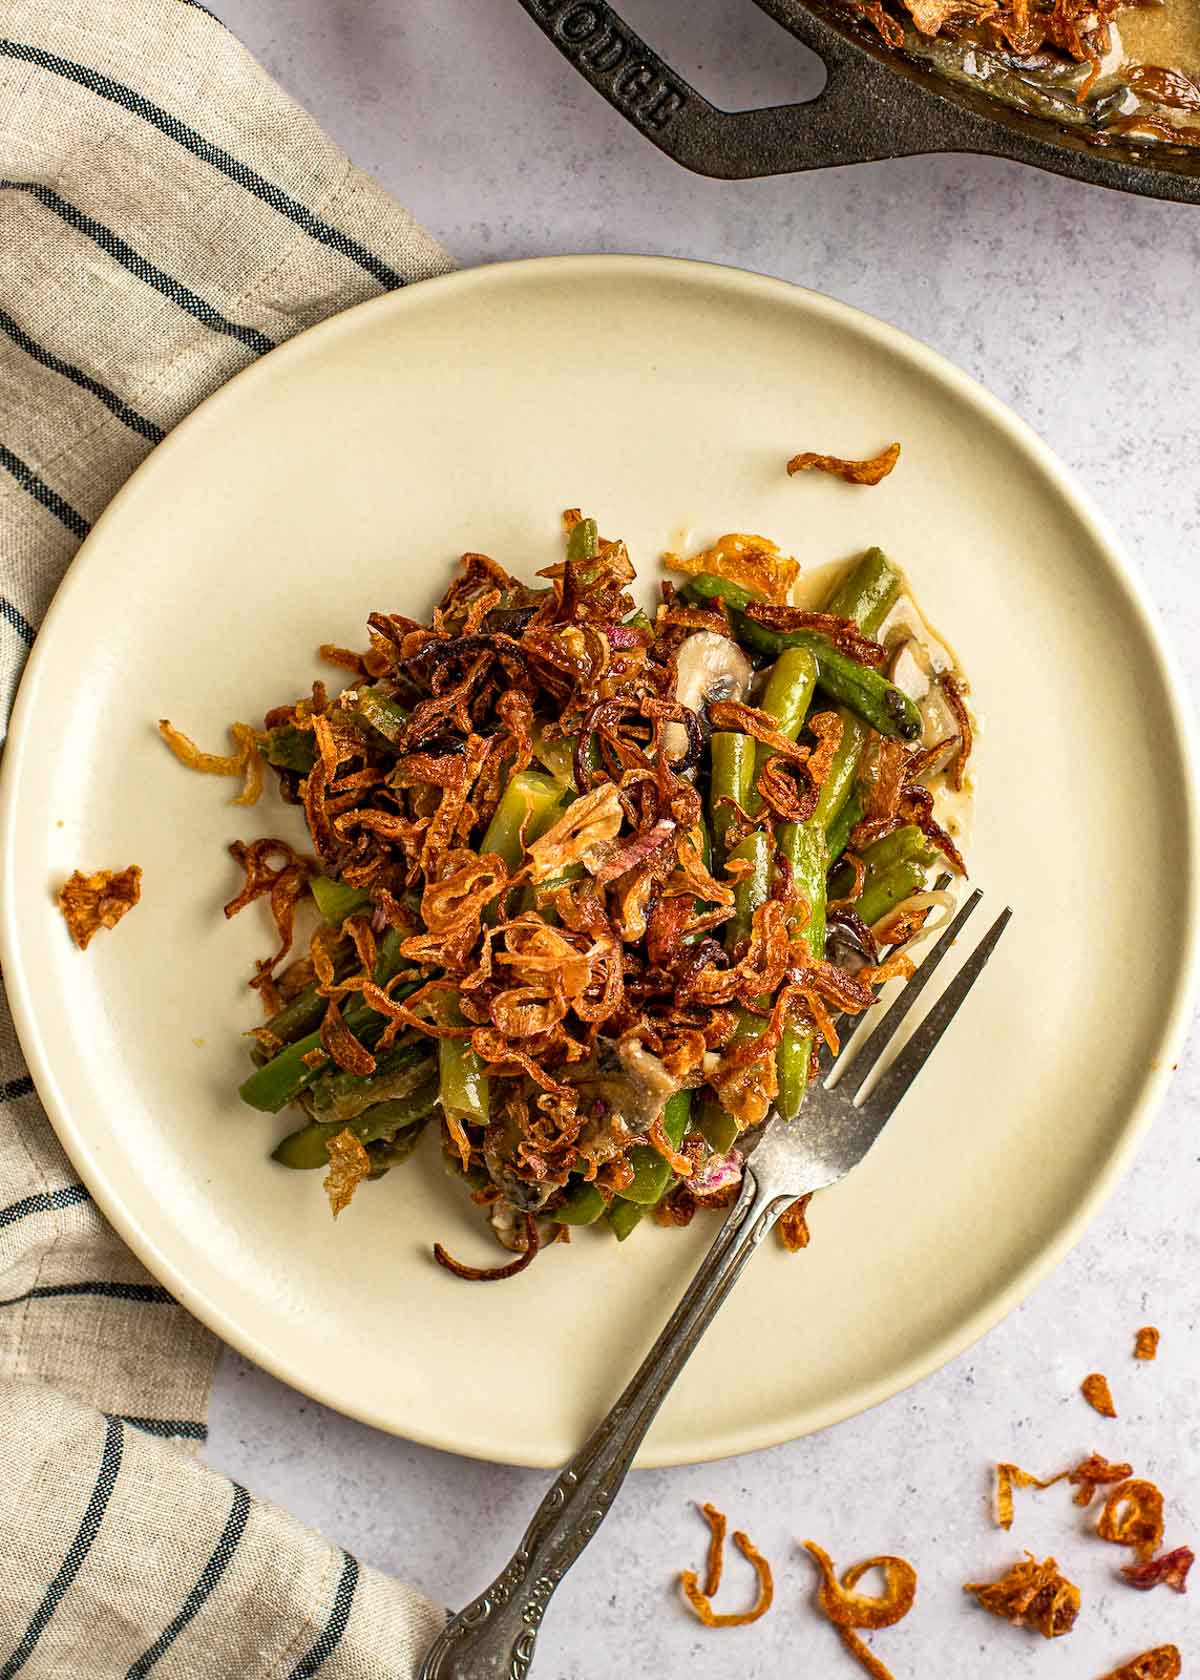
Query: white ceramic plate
344,473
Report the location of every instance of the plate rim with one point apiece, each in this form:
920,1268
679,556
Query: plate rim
1136,597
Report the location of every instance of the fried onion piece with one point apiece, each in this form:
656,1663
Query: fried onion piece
850,1610
699,1598
793,1226
952,689
1162,1663
493,1274
754,562
1171,1570
1033,1595
1133,1516
1010,1476
1093,1472
342,1045
246,762
1146,1343
349,1164
1096,1392
92,902
873,471
580,835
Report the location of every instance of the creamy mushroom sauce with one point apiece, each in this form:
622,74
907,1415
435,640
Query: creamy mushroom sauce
1152,71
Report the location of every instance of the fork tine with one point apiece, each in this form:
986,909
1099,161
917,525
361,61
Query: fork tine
882,1035
889,1092
848,1025
886,1030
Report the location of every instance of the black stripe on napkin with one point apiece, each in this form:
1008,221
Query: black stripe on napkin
18,622
168,1429
43,1201
315,226
210,1575
41,492
110,1465
331,1635
138,266
149,1292
131,418
22,1087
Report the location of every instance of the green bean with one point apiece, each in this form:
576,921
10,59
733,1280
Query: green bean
289,748
528,796
751,888
842,826
583,1205
890,888
651,1172
732,777
803,845
865,690
583,542
638,620
706,586
305,1148
905,845
786,699
338,1095
719,1130
462,1075
281,1080
867,591
839,782
335,900
625,1217
382,713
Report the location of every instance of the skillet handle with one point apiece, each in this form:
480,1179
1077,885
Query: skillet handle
865,111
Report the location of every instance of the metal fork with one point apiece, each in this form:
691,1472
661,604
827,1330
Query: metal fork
494,1637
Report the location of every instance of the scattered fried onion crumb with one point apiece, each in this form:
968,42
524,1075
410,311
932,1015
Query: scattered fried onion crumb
754,562
1146,1343
1162,1663
1133,1516
1010,1476
1093,1472
90,902
1033,1595
793,1226
349,1164
699,1598
851,472
1089,1474
246,762
849,1610
1171,1570
1096,1392
493,1274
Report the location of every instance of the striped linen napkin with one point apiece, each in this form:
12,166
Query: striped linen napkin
167,215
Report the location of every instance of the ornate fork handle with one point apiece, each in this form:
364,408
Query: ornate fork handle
494,1637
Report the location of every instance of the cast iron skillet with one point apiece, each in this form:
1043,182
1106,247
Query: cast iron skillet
876,103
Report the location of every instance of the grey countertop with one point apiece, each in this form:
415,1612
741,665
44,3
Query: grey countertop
1081,309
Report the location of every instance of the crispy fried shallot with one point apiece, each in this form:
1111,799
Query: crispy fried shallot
1170,1569
349,1164
1146,1343
699,1598
851,1611
1096,1392
246,762
92,902
1032,1595
1133,1516
1162,1663
873,471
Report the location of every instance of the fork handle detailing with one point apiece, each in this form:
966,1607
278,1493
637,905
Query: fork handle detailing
493,1637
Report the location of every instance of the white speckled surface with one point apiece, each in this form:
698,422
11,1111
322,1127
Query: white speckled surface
1078,307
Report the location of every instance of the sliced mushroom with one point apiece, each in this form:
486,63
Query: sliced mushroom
915,670
904,623
708,667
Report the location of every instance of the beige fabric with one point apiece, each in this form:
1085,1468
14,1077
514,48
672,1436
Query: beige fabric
167,214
